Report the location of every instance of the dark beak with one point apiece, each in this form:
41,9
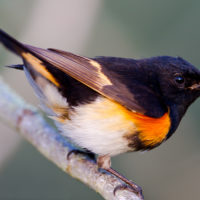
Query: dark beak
196,86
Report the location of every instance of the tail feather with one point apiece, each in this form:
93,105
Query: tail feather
19,66
12,44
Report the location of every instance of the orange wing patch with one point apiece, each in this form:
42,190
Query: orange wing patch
105,80
39,67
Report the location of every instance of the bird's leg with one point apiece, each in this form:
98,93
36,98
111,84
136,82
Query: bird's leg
104,162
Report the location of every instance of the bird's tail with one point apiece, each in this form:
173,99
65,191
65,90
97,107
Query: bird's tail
19,66
11,43
35,70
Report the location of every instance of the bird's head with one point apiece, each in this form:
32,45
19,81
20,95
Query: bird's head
178,82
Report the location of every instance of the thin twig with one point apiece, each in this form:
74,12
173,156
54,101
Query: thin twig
32,125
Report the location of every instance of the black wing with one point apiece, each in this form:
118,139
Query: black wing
87,71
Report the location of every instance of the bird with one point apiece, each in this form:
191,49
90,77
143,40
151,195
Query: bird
109,105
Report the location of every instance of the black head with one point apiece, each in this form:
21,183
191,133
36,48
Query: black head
157,84
178,80
178,83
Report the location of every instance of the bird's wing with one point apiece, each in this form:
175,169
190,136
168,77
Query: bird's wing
87,71
90,73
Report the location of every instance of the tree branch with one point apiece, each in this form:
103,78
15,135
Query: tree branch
33,126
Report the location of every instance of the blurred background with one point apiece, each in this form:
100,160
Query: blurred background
130,28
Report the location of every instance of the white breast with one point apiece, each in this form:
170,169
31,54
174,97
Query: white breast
100,127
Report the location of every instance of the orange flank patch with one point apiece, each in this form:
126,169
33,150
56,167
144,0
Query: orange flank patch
39,67
152,131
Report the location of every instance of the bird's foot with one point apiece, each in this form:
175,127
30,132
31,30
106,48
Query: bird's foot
85,153
104,162
131,187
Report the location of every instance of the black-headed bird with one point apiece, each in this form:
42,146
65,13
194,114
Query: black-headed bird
109,105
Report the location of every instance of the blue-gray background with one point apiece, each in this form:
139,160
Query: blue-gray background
131,28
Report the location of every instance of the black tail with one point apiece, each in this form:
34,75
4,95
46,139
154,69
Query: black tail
19,66
12,44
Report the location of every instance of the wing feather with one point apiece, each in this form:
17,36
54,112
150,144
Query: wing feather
89,72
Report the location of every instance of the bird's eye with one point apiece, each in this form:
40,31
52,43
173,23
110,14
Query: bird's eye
179,79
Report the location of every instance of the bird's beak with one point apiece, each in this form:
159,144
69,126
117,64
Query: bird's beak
196,86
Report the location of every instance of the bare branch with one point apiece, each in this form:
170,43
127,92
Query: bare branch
33,126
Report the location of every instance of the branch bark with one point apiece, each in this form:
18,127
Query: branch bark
31,124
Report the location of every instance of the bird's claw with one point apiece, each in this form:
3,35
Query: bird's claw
131,187
77,151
